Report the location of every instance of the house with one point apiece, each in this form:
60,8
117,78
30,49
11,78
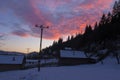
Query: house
71,57
11,62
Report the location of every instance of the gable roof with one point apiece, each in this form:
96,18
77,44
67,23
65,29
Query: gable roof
11,59
72,54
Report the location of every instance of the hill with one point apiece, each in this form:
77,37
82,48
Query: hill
11,53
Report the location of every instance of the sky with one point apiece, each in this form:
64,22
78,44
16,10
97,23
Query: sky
64,17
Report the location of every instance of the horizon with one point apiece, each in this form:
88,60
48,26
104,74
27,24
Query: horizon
64,18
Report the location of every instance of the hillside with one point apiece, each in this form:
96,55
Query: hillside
11,53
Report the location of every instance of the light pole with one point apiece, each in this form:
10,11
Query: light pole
41,30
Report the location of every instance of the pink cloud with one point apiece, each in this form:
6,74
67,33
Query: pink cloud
71,17
63,16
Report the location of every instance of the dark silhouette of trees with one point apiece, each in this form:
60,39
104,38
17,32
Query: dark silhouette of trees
103,20
88,30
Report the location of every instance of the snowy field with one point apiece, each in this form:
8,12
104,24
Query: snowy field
107,71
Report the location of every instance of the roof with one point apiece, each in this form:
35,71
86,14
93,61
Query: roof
11,59
72,54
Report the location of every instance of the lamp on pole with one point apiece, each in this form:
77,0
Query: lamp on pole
41,30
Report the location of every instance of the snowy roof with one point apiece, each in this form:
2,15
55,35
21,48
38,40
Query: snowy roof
11,59
72,54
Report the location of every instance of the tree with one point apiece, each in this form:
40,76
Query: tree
114,11
54,43
88,29
109,17
60,41
95,26
68,38
103,20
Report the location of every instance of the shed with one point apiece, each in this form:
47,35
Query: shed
71,57
11,62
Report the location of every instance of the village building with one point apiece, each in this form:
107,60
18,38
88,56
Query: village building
11,62
72,57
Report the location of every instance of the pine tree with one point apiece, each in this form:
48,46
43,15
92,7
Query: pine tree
60,41
68,39
116,8
103,20
54,43
114,11
109,17
88,29
95,26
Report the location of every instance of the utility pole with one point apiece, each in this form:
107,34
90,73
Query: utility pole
41,30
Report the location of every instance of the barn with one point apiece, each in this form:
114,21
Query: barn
71,57
11,62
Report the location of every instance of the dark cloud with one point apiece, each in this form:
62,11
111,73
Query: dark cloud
20,33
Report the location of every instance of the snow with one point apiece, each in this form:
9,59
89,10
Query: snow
11,59
108,71
72,54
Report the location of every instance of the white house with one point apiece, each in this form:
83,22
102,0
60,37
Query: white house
11,62
72,57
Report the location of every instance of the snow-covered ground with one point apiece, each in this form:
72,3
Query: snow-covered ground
107,71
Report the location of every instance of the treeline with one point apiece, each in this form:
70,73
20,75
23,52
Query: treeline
105,31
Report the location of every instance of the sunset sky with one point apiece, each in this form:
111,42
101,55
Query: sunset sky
64,17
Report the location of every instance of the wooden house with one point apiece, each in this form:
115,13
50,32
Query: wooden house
11,62
71,57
